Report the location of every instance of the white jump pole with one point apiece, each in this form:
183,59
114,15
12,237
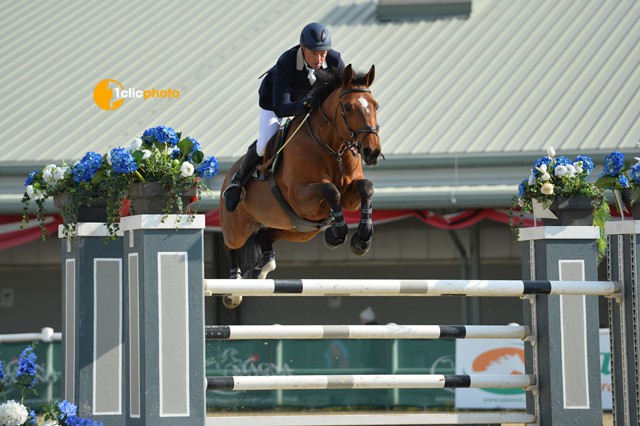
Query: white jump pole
388,287
389,331
389,381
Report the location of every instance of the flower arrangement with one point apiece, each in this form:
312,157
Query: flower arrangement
159,156
177,165
553,177
620,176
14,413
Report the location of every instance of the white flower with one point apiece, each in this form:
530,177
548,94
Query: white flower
135,145
551,152
50,423
186,169
109,158
60,173
577,166
571,170
13,413
545,177
560,171
47,173
547,188
146,154
637,159
532,179
543,172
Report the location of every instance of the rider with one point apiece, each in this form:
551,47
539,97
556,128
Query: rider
282,95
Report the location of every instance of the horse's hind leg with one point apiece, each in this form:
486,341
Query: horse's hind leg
361,240
267,262
228,300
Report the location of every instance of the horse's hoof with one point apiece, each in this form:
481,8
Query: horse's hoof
331,240
358,246
231,302
267,264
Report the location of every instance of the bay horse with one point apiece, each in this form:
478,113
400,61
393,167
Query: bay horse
319,173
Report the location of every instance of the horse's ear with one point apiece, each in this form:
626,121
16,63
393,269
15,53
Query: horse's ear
347,75
368,79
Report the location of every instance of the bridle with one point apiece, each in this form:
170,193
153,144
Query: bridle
353,144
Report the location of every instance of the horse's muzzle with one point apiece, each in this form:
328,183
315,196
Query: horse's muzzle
370,156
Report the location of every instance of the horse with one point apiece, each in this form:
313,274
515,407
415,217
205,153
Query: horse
319,174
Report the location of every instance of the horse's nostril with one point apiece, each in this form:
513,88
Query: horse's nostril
366,152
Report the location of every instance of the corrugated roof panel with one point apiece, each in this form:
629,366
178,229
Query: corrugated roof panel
515,76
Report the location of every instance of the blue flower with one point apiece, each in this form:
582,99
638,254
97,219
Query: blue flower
32,176
196,144
160,134
2,373
522,187
622,180
587,163
175,153
563,161
613,164
33,418
635,173
67,409
122,161
27,367
538,163
85,169
208,168
79,421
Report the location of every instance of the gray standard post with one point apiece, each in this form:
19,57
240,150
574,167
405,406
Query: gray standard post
623,240
164,319
92,328
565,353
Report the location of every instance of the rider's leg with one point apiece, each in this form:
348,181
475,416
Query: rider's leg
269,124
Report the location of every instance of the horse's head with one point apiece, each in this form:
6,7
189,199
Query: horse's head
357,107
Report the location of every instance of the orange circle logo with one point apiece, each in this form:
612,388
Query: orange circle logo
103,94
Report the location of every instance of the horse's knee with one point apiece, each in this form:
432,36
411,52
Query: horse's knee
330,193
365,189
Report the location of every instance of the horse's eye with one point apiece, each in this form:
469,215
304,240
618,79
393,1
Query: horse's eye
348,107
377,107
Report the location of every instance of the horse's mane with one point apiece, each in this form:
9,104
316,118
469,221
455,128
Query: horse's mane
328,80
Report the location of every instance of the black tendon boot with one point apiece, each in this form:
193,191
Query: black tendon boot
241,177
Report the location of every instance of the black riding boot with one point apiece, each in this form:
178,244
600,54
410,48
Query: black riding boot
241,177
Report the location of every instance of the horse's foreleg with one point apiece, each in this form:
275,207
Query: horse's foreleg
337,234
361,240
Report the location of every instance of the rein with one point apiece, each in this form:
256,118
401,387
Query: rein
353,145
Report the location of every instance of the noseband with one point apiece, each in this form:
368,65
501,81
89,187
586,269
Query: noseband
353,144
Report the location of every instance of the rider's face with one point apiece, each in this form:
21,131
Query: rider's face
314,59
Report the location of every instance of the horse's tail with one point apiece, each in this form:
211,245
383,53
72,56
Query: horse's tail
250,253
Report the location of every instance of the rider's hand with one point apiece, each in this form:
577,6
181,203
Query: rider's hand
310,103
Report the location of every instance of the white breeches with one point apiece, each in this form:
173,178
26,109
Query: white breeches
269,125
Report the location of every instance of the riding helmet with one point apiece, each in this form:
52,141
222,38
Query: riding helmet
315,36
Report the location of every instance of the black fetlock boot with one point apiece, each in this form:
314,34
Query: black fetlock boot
241,177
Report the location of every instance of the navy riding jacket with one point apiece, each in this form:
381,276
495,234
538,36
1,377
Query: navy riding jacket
285,85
